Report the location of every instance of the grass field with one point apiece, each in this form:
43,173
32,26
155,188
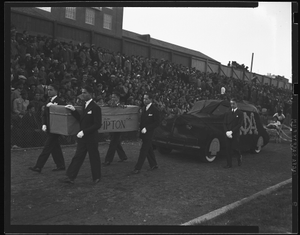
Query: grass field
272,213
181,189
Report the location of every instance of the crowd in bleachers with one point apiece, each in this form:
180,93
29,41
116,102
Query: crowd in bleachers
37,61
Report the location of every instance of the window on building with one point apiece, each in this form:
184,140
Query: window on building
45,8
107,21
89,16
71,13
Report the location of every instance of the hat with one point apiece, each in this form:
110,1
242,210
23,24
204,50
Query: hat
73,79
22,77
27,55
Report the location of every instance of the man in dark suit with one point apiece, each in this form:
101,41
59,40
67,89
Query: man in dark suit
87,138
232,123
115,141
52,145
149,121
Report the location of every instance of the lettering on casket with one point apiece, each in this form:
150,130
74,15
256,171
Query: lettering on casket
114,124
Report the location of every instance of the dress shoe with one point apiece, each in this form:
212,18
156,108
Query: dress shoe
67,181
106,163
135,171
122,160
96,181
153,168
240,160
36,169
59,169
227,166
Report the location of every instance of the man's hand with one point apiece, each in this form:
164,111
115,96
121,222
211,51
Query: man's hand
44,128
144,130
80,134
70,107
229,134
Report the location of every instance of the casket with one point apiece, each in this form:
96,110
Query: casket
62,121
114,119
118,119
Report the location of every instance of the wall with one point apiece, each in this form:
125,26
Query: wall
160,54
130,48
113,44
31,24
179,59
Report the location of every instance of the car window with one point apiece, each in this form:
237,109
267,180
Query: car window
221,109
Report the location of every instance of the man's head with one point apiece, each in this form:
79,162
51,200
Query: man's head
52,90
20,86
147,98
115,97
87,93
233,103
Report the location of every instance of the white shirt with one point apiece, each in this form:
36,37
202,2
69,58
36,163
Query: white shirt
53,97
233,110
148,106
87,102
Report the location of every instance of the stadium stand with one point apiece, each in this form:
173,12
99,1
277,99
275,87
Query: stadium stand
37,61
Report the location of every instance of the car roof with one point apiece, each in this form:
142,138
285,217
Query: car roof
208,106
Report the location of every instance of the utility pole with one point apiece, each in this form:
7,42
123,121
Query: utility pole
251,66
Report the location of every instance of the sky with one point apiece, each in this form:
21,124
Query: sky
224,34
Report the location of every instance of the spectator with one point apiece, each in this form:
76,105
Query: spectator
20,104
33,80
17,92
279,117
31,128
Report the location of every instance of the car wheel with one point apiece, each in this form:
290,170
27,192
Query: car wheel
211,151
259,144
164,150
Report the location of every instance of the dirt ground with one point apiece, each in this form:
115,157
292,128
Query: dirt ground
181,189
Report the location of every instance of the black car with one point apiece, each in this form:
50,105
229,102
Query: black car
201,130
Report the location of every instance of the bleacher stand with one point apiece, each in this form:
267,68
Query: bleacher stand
37,61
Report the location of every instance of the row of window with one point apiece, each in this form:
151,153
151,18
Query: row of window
89,15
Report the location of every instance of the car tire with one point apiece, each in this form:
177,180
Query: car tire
210,153
259,144
164,150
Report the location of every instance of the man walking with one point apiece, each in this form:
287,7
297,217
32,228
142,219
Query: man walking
149,121
115,141
52,145
87,138
232,123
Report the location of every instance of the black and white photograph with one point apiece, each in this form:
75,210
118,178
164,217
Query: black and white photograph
162,117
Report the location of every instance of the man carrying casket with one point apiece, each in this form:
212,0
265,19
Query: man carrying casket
115,142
